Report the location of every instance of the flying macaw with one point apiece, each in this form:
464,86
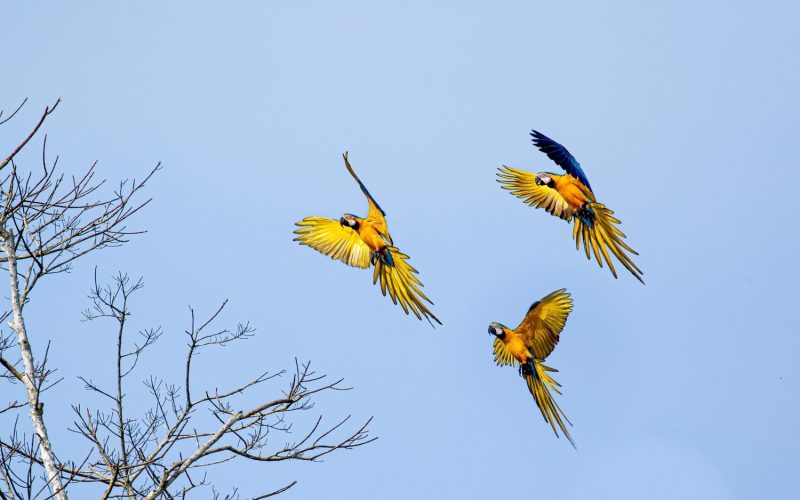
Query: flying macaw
362,242
529,344
568,196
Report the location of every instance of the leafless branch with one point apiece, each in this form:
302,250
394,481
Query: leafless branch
169,450
8,366
47,221
36,128
9,117
153,456
276,492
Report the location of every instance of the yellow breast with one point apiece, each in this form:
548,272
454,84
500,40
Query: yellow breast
572,190
370,236
517,347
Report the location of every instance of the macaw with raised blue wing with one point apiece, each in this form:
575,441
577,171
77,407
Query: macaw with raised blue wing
570,197
529,344
364,242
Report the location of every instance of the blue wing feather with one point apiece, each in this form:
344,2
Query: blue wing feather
560,155
360,184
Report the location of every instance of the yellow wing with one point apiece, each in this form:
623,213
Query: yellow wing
540,383
401,282
543,323
502,356
605,236
334,240
522,184
375,216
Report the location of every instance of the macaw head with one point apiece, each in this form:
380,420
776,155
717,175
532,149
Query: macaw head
349,220
497,330
543,179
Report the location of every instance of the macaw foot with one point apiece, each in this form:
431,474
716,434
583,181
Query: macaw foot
383,256
586,214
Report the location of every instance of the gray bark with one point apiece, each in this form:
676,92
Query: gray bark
36,407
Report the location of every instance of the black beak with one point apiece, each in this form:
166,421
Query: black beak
343,222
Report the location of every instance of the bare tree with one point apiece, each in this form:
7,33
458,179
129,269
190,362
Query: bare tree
47,221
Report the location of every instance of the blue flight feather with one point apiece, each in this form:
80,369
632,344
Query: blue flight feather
560,155
360,184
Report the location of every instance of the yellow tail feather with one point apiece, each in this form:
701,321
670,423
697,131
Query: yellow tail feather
604,236
540,383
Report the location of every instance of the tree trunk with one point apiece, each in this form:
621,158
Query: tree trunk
36,407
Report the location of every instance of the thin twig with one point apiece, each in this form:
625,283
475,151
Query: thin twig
21,145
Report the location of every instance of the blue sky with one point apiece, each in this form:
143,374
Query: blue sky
684,116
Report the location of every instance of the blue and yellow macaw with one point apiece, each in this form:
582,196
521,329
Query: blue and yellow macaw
529,344
362,242
570,196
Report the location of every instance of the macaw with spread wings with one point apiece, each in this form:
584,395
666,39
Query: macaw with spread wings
362,242
570,196
529,344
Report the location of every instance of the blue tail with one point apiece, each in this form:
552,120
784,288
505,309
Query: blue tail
386,257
